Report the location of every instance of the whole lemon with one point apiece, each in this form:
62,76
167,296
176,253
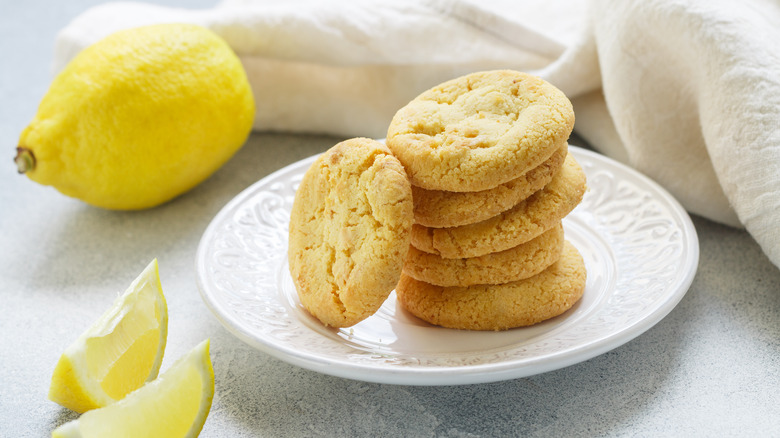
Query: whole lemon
139,117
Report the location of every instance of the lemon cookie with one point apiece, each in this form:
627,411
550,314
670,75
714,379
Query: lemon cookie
439,209
477,131
522,261
499,307
349,231
521,223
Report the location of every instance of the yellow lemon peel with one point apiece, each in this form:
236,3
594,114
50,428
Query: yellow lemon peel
176,404
120,352
139,117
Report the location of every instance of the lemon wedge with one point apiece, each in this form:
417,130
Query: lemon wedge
176,404
120,352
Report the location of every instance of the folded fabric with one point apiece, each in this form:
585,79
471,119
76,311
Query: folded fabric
687,92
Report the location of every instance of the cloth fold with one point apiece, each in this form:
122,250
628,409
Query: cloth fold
687,92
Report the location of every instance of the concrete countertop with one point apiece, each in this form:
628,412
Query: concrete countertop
711,367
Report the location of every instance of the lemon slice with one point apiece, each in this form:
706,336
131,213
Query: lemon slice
119,353
176,404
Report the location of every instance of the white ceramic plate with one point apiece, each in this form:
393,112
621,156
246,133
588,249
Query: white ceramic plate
640,250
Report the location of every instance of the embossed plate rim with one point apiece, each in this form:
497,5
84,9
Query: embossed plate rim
385,366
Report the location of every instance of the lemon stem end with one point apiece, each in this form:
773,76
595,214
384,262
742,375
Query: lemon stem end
25,160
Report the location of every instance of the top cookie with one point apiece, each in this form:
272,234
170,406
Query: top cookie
480,130
350,228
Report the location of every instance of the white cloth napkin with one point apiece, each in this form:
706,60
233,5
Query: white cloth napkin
685,91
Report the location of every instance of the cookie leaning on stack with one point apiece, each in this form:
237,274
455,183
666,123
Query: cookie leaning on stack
489,151
349,231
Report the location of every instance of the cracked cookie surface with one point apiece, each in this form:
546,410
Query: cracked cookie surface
477,131
349,231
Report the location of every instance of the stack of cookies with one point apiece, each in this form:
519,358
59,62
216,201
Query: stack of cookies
460,212
486,155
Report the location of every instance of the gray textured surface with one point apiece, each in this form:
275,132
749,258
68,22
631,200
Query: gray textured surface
712,367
